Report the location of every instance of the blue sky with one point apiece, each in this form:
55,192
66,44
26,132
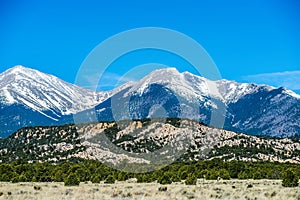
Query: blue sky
250,41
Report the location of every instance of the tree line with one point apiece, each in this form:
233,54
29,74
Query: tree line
72,173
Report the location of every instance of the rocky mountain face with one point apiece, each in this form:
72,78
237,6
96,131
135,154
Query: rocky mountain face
143,141
29,98
247,108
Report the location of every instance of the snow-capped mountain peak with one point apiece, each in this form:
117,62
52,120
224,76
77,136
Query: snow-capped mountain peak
185,84
43,92
20,72
194,87
250,108
30,97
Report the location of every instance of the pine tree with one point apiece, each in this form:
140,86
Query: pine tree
72,180
96,178
110,180
191,179
290,179
165,179
257,175
224,174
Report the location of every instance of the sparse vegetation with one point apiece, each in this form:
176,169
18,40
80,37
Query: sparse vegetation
37,187
208,189
162,189
56,144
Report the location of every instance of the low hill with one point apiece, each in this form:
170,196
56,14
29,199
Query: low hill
143,141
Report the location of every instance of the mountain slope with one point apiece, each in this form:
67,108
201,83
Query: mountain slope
250,108
29,97
267,112
136,141
41,92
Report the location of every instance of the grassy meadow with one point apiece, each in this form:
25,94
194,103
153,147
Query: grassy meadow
130,189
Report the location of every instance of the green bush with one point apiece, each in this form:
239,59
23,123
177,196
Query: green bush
22,178
290,179
257,175
191,179
164,179
144,178
72,180
110,180
183,174
212,175
82,174
244,175
175,178
224,174
5,178
203,173
15,179
96,178
58,176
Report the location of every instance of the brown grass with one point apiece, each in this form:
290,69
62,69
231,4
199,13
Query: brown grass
230,189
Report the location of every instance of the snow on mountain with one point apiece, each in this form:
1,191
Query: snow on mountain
30,97
267,112
190,85
43,92
251,108
174,80
193,88
291,93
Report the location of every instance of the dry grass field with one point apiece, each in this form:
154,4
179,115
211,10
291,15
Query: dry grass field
230,189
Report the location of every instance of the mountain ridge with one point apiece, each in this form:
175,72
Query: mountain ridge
133,140
185,95
162,92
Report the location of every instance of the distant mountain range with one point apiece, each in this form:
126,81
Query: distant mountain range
30,98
